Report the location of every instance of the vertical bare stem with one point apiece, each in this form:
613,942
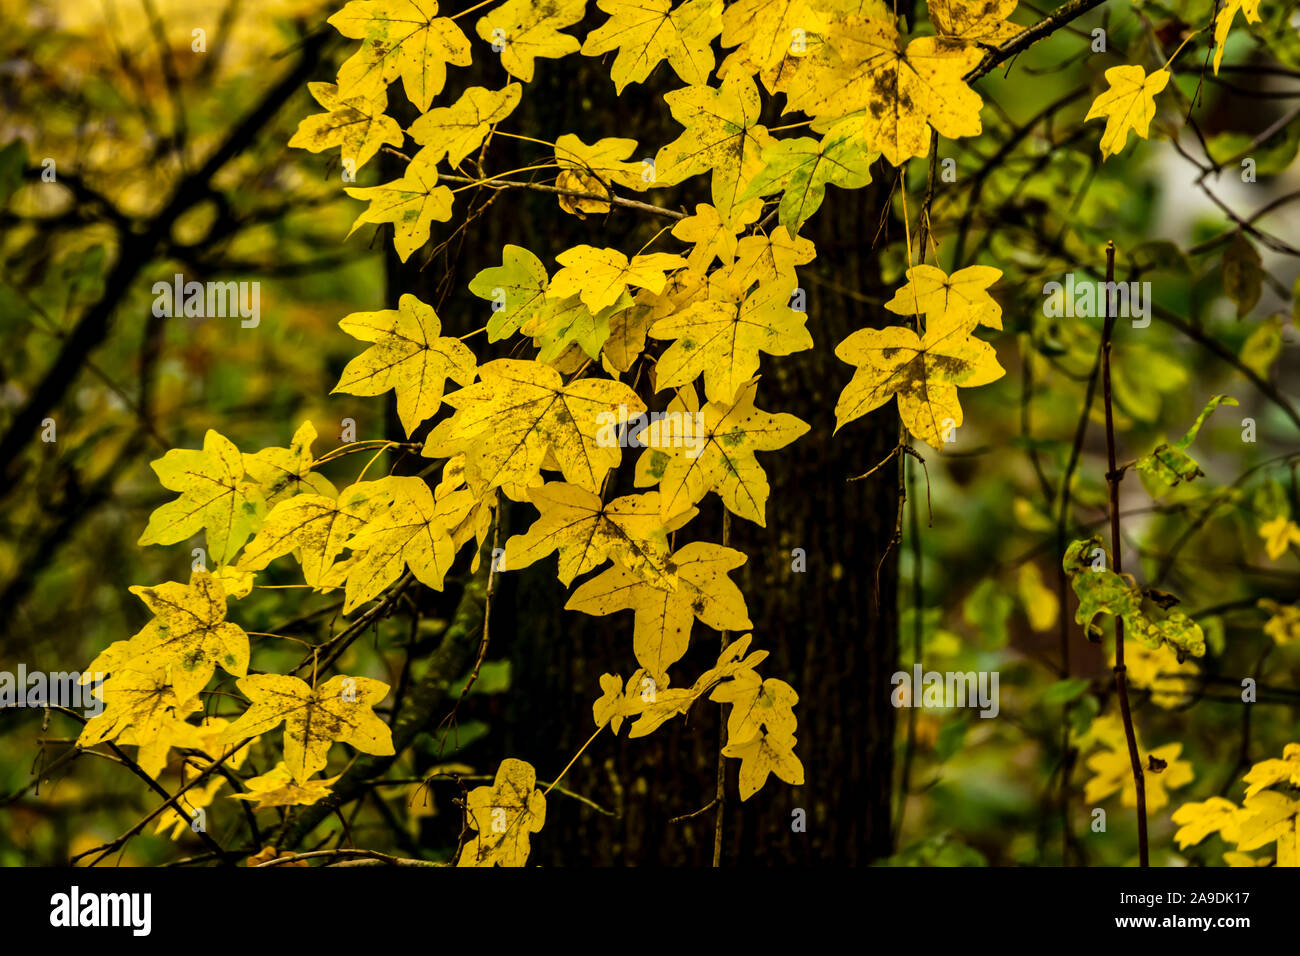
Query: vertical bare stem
1113,477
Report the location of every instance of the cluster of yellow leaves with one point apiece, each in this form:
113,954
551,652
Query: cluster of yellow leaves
1113,772
923,372
1268,814
760,725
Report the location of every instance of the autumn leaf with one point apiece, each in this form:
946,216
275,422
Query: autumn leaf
516,289
1113,773
1196,821
800,169
399,38
721,134
764,30
408,356
284,472
504,814
216,497
519,412
922,373
586,532
657,706
932,293
712,236
765,754
1279,535
338,711
600,276
188,636
647,32
1223,24
590,169
662,622
527,29
413,532
411,204
316,527
767,258
1268,773
720,456
564,322
1270,817
146,703
358,125
456,131
278,788
982,22
1128,105
721,337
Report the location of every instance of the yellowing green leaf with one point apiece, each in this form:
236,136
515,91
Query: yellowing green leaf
411,204
216,497
408,356
800,169
284,472
339,710
516,289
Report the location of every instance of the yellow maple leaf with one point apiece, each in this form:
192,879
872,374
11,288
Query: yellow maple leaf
646,32
931,292
765,258
456,131
1113,773
1279,534
173,733
340,710
600,276
519,412
358,125
712,236
503,815
721,134
663,618
1283,624
590,169
412,532
408,356
284,472
1196,821
1129,104
1223,23
721,337
278,788
188,636
586,532
524,30
922,373
144,702
764,31
1270,817
1266,773
399,38
316,527
981,22
719,457
764,754
216,497
411,204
